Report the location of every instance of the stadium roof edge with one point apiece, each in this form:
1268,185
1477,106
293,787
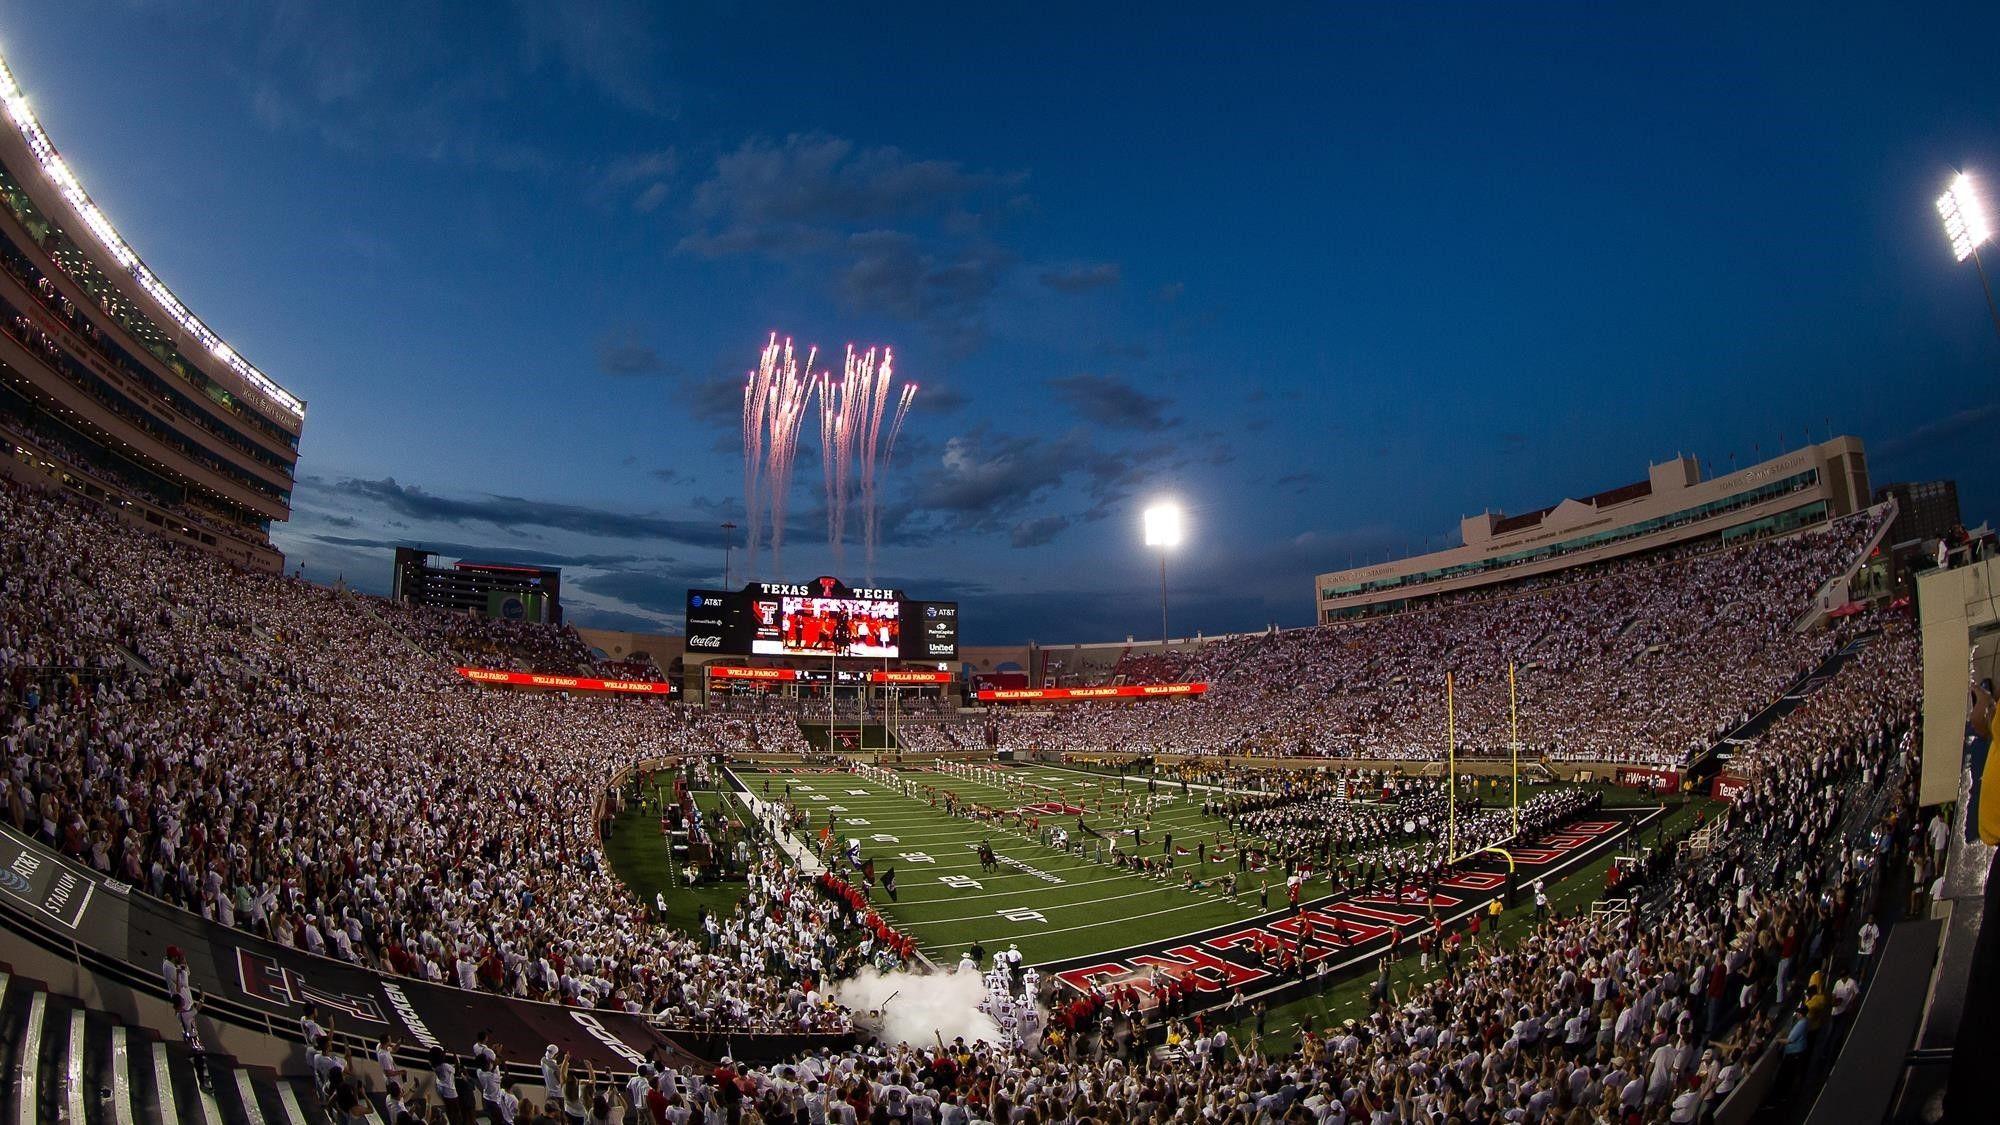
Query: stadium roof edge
65,182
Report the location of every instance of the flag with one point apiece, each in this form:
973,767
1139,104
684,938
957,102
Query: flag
868,871
889,883
1087,828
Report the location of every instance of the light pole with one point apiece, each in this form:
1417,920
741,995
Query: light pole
1968,228
1162,523
728,545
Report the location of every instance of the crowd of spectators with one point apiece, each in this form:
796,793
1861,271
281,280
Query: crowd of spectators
1644,661
304,763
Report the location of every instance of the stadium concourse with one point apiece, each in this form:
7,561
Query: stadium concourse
221,752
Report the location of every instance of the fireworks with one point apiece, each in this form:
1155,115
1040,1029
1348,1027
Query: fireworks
854,453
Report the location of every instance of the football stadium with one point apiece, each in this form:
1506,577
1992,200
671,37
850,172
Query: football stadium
1667,800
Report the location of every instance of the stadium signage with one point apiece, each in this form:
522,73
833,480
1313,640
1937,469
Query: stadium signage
567,683
1119,691
1726,787
909,677
818,619
52,890
731,672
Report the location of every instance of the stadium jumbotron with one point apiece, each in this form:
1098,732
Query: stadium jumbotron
1666,802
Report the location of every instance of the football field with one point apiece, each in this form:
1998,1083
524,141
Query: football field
1053,903
1067,909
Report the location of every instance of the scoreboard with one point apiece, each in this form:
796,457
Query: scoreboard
823,617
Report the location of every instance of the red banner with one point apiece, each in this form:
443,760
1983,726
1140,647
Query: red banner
1726,786
909,677
566,683
737,672
1121,691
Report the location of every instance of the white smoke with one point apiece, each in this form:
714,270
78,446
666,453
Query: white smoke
920,1006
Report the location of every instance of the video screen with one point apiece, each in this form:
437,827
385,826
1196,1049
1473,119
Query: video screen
822,626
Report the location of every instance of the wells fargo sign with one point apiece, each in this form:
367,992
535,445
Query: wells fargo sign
566,683
1120,691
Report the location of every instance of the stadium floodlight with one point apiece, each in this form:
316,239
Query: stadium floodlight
1968,227
1964,215
1162,523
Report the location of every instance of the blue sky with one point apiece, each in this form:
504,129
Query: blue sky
1331,275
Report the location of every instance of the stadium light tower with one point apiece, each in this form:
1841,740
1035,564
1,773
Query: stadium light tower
1968,227
1163,530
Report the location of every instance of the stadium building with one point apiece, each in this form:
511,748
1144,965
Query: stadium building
1674,504
509,590
110,387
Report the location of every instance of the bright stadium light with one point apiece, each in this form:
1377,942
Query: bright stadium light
1968,228
1964,215
1162,522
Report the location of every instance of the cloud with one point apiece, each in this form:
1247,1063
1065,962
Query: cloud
650,199
1082,279
1299,481
1110,401
892,273
935,399
815,181
668,476
981,480
628,357
1939,431
512,553
888,233
515,512
613,45
1036,532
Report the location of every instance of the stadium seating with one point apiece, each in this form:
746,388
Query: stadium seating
1644,661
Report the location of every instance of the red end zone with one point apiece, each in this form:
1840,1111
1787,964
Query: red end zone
1354,928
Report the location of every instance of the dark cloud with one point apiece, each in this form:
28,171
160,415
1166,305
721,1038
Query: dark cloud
981,480
1082,279
1297,482
668,476
817,182
629,357
893,273
517,512
1111,401
889,233
652,591
489,552
1939,431
1036,532
935,399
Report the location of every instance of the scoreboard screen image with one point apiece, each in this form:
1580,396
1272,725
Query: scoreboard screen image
820,626
822,618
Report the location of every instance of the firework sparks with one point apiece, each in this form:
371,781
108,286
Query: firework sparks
854,450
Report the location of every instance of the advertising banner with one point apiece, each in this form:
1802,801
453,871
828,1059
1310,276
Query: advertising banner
1118,691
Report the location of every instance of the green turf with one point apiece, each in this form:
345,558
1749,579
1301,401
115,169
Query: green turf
1053,904
637,851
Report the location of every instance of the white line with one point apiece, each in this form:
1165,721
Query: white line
211,1112
247,1093
121,1078
290,1101
1054,906
76,1066
29,1060
163,1082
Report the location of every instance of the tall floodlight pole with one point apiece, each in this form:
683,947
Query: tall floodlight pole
1967,226
1514,746
1163,530
728,545
1450,775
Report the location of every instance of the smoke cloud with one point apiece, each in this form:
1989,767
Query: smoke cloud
946,1004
